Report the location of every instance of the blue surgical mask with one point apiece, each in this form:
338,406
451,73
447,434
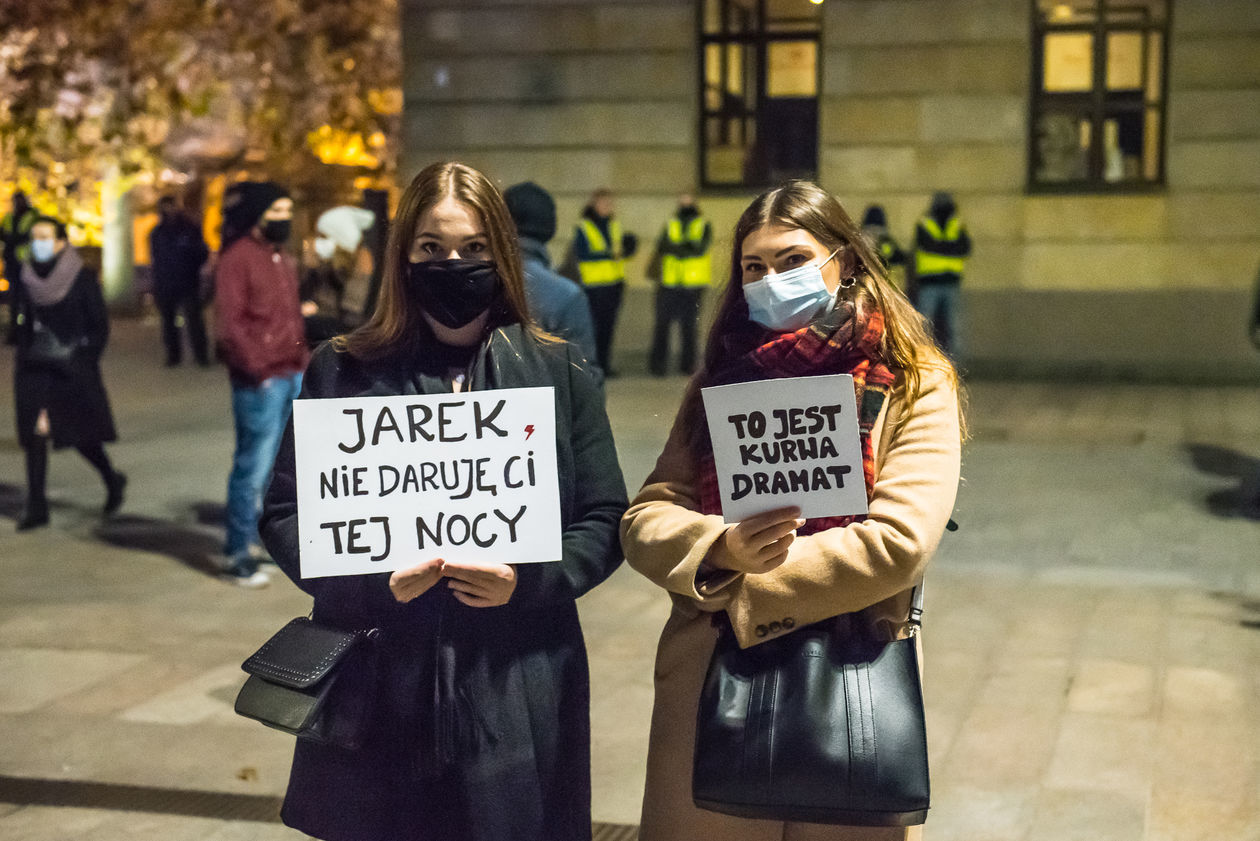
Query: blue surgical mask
43,250
789,300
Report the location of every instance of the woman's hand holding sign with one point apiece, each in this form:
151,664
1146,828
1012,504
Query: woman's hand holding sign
758,544
476,585
481,585
413,582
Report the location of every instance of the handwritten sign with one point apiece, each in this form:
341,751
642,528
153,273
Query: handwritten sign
384,483
785,442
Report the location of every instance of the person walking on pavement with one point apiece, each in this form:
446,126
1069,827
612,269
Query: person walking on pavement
941,246
178,251
15,234
260,337
555,302
59,326
682,270
480,728
600,251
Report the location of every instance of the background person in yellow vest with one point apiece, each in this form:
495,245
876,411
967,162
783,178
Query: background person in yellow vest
875,226
941,246
15,232
600,251
681,268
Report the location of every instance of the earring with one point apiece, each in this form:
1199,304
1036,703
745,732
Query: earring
848,282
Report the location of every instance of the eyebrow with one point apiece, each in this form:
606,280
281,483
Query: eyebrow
778,253
432,235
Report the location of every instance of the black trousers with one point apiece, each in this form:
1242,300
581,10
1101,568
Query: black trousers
37,471
675,304
605,303
170,307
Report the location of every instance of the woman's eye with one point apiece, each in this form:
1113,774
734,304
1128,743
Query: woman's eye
793,260
478,248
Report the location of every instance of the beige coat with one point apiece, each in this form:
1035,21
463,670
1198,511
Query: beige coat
868,566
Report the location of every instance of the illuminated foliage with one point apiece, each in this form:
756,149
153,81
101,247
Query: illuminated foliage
152,91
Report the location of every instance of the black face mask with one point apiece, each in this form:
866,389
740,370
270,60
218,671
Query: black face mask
454,292
276,231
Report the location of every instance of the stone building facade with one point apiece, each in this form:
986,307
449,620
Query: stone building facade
1152,279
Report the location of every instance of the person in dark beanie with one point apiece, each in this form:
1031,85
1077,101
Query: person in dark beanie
875,227
59,327
260,337
556,302
177,251
941,248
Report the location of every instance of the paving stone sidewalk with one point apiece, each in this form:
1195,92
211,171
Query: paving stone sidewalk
1092,635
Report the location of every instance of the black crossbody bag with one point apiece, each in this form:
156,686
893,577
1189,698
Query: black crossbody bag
817,726
312,681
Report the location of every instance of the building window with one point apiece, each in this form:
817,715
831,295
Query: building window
759,97
1099,95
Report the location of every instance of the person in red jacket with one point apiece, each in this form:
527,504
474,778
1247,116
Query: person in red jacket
260,337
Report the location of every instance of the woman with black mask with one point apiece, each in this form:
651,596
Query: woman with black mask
480,726
59,326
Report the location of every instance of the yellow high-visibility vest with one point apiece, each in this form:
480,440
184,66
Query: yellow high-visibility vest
23,227
686,271
927,263
605,266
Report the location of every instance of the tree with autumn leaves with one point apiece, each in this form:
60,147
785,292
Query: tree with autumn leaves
157,92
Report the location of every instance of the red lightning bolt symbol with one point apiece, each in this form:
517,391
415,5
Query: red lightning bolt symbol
529,430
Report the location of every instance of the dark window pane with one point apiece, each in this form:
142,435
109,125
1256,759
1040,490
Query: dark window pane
1124,133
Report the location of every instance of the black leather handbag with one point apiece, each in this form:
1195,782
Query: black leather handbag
48,351
821,725
314,682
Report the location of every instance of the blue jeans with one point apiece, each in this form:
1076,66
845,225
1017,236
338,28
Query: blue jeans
261,413
938,302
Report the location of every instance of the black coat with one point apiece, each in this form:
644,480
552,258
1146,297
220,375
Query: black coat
73,394
177,250
512,679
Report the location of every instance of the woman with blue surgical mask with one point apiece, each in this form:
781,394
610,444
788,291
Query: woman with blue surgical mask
807,296
59,327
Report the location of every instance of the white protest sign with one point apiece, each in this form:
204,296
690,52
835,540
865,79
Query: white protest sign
784,442
384,483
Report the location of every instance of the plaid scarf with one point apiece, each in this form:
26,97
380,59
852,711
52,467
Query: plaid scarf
837,343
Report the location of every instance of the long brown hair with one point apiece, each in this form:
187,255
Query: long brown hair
906,347
397,323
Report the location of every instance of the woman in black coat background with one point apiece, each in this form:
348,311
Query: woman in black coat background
59,326
481,728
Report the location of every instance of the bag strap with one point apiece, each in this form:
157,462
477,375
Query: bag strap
916,606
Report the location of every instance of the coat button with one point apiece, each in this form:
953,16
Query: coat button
761,630
789,623
775,627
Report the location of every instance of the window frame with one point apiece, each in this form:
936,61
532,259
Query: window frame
1097,101
759,39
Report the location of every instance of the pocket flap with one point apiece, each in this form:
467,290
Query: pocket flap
301,654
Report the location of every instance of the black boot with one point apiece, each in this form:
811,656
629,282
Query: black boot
36,515
115,485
